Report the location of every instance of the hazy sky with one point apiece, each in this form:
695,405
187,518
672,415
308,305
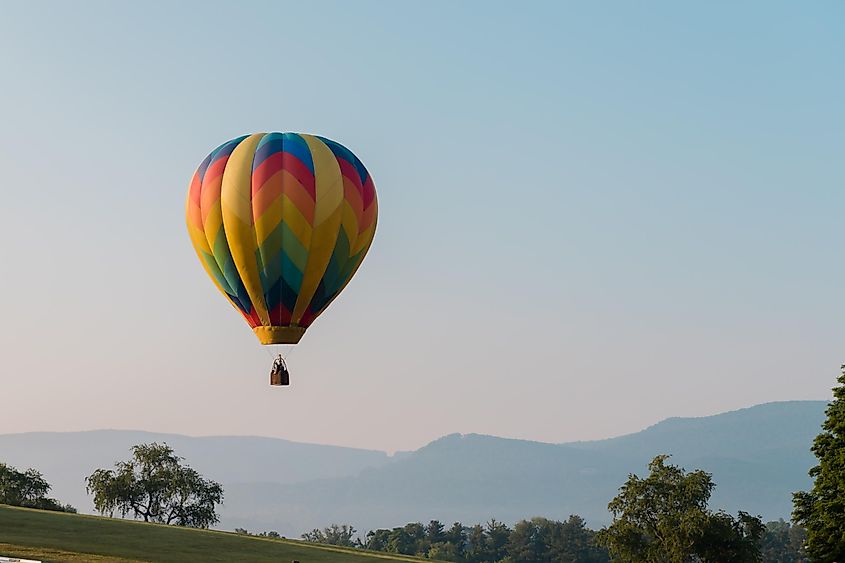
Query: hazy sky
592,215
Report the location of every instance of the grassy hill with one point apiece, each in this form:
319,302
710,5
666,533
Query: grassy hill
54,536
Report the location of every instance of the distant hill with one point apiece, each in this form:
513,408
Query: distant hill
758,457
66,458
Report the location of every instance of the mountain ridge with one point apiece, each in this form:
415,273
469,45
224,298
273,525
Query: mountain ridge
758,455
658,424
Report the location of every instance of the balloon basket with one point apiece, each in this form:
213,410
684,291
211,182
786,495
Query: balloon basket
279,378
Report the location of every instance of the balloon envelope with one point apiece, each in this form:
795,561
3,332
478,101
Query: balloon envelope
281,222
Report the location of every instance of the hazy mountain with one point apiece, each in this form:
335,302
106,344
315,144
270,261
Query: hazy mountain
758,457
66,458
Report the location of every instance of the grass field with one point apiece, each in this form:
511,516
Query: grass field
55,536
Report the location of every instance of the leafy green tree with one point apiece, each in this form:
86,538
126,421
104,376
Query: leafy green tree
19,488
529,541
443,551
658,518
498,535
784,543
476,550
572,542
407,540
663,518
417,532
457,537
154,485
541,540
377,540
435,532
29,489
400,541
821,511
727,539
336,534
538,540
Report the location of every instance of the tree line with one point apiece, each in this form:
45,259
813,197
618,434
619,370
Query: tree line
28,489
661,518
537,540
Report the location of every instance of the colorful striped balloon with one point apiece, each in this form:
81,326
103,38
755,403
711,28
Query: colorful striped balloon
281,222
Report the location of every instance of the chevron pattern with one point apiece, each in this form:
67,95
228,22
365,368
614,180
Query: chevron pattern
281,222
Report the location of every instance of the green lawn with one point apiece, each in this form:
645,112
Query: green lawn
55,536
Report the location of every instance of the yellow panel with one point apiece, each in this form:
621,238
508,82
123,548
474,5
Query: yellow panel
327,216
349,221
296,221
198,239
351,275
213,223
280,210
236,200
329,181
279,334
201,245
364,239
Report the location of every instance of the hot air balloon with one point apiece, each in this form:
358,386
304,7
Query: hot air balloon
281,222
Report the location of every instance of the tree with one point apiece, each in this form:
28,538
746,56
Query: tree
664,518
457,537
335,534
377,540
572,541
821,511
29,489
444,551
541,540
727,539
19,488
154,485
538,540
417,534
529,541
784,543
435,532
498,535
400,541
660,517
476,550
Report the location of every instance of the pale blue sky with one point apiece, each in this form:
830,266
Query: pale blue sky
592,215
